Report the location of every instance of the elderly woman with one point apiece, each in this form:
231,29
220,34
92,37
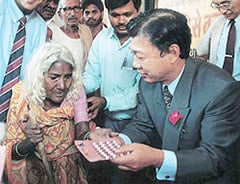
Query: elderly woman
40,127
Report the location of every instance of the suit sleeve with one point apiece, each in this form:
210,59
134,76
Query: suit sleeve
141,128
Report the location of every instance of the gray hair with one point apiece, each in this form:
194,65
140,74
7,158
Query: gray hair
43,59
62,4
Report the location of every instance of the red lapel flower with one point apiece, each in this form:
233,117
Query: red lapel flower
174,117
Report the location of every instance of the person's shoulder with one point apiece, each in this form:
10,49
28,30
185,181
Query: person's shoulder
105,37
84,28
1,9
37,19
54,28
218,21
209,72
105,33
56,21
37,23
2,6
237,20
85,31
100,39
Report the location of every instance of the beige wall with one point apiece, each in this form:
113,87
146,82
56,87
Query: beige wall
199,13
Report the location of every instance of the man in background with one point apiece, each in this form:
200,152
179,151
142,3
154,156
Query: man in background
11,12
109,67
213,45
47,9
93,12
70,34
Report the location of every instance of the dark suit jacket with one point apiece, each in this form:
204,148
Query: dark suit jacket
205,139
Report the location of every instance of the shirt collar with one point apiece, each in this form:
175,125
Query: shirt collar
16,13
112,35
237,20
172,86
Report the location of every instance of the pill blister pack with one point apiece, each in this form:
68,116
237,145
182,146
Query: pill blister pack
99,150
106,149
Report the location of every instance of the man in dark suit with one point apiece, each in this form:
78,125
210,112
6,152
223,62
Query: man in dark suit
197,124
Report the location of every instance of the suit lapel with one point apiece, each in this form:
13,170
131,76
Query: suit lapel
180,103
157,107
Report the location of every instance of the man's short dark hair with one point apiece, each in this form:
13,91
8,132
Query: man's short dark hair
113,4
97,3
163,27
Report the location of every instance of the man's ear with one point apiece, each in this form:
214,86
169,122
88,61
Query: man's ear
175,50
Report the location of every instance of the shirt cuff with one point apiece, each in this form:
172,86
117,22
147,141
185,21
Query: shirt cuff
125,138
107,103
169,167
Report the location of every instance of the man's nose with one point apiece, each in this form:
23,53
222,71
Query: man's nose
90,15
136,64
122,19
72,12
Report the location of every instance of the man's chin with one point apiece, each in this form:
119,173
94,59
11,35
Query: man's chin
147,79
122,33
92,24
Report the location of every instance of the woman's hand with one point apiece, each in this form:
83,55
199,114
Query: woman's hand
34,132
34,135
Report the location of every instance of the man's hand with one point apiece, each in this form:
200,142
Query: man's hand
139,156
96,104
100,133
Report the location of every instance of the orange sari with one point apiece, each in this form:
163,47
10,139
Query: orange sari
61,153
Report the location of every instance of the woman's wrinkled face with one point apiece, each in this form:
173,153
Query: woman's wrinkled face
57,82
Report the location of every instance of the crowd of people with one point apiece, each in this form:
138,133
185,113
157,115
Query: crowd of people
66,75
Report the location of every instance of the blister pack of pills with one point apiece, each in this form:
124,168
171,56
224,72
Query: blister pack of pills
99,150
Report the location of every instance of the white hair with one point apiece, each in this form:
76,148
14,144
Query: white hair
43,59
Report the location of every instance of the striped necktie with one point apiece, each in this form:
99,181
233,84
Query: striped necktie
229,57
13,69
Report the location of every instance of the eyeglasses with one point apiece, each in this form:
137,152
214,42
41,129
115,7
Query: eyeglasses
221,6
68,10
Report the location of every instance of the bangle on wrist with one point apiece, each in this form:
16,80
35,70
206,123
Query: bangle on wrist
85,135
18,153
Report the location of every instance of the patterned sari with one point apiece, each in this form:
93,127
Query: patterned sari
58,144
